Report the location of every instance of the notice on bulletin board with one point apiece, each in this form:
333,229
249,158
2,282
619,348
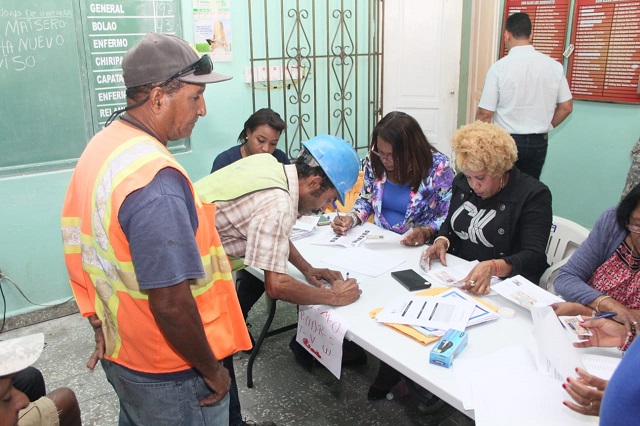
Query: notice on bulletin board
605,63
212,28
548,24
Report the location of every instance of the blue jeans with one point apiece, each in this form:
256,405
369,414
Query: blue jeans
235,411
532,151
154,399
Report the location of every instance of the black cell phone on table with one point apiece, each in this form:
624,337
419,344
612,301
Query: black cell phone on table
411,280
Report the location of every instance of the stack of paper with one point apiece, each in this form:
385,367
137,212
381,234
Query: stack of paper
434,315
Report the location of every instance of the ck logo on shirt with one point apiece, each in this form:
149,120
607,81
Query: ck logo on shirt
479,219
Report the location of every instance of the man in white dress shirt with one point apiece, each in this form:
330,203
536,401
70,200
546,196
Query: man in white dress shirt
525,93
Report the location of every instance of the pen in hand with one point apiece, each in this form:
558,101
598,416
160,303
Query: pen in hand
601,316
335,207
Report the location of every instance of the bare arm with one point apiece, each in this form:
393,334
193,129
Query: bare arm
285,287
177,316
563,109
313,275
484,115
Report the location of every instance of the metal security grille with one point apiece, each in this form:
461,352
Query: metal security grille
318,64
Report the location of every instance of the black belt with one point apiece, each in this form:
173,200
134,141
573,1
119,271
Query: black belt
530,134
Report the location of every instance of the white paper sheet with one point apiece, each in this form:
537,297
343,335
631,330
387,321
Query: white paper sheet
505,388
556,355
306,223
352,239
428,311
525,293
601,366
363,261
480,313
321,332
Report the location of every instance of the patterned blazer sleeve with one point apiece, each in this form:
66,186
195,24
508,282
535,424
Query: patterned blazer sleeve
430,204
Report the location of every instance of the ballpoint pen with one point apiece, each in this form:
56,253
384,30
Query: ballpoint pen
335,207
602,315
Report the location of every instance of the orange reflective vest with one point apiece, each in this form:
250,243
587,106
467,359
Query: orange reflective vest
117,161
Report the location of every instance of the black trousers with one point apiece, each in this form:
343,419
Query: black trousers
532,152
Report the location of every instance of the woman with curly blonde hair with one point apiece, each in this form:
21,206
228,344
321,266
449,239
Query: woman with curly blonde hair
498,214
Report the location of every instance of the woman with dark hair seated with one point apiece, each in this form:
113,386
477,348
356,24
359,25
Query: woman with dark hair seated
602,274
407,183
260,134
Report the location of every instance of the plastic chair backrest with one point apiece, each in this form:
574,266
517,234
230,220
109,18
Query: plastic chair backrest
565,237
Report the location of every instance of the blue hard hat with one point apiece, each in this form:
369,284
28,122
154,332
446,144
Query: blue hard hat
338,159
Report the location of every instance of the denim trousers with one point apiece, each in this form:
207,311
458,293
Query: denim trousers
532,151
148,400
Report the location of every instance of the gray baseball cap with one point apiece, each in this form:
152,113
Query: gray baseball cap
19,353
158,57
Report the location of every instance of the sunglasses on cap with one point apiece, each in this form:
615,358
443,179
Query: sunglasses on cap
204,65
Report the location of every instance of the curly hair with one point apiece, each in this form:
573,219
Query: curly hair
484,147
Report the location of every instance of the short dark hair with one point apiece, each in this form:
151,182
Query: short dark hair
627,205
262,116
306,166
138,93
519,25
412,152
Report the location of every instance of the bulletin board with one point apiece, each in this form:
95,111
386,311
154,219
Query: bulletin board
548,24
605,64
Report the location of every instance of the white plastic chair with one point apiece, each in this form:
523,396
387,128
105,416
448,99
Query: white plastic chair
565,237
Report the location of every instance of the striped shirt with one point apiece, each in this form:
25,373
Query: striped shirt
258,225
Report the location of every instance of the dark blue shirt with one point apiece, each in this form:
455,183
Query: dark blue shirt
160,221
233,154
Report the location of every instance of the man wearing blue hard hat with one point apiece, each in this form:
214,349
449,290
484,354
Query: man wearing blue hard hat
258,200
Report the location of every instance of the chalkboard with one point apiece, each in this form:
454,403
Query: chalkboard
43,118
61,76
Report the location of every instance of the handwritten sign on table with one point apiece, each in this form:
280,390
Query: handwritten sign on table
321,331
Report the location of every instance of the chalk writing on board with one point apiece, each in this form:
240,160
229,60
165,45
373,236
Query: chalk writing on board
27,34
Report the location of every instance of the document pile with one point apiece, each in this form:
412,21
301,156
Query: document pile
434,315
304,227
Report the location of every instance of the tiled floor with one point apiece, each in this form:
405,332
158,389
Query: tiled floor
283,392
